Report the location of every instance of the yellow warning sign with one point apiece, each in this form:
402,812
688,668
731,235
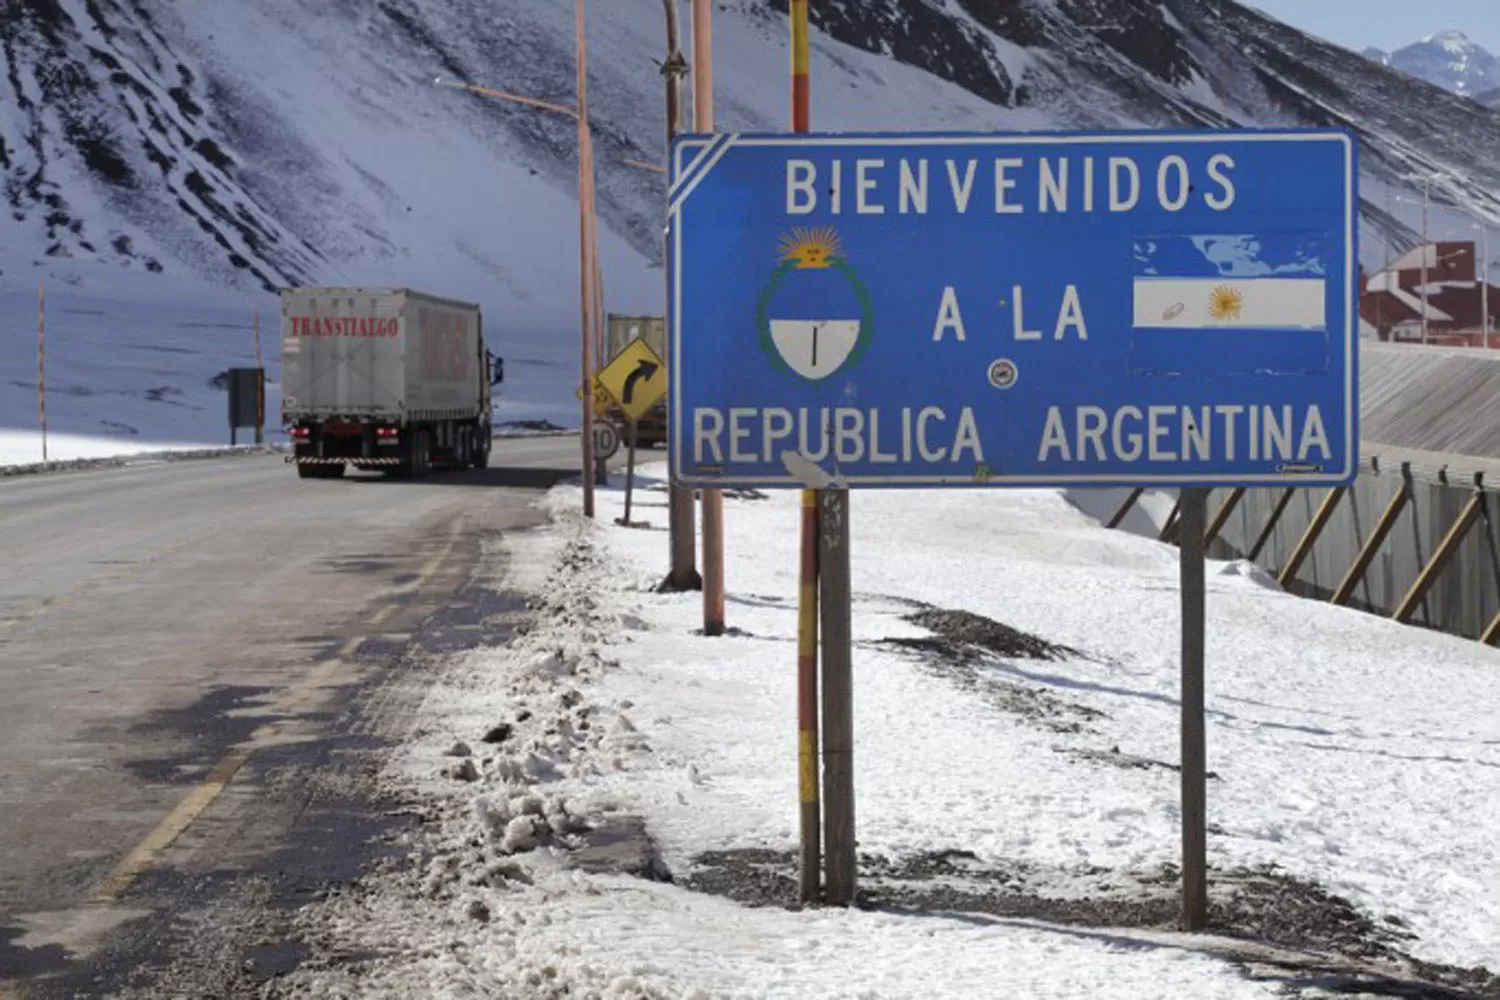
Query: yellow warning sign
636,378
602,399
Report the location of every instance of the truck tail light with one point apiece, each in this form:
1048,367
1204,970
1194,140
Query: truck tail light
301,433
386,432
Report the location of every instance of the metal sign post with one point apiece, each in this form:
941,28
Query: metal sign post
1144,310
629,473
1194,506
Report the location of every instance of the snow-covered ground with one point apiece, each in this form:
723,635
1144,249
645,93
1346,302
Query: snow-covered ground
1347,752
125,376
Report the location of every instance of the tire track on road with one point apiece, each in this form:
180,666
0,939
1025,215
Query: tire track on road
146,855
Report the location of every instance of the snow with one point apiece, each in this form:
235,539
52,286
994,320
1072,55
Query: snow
1346,751
125,377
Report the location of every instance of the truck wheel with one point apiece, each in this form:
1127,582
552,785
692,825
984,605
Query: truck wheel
307,471
334,471
423,462
463,450
481,450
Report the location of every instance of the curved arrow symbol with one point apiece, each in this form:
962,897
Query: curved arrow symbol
642,373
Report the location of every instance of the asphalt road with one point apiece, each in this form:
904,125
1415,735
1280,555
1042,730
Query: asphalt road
169,632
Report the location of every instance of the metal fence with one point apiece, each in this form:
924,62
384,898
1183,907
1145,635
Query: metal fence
1413,539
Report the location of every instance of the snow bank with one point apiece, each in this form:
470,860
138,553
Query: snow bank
1344,749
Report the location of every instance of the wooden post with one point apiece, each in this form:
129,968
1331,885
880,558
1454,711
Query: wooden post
1114,522
680,520
1491,634
1371,548
1222,517
810,880
41,363
1446,550
1310,536
585,262
838,708
713,500
1194,504
1266,532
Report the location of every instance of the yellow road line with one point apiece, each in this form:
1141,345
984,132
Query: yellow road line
31,616
145,854
173,826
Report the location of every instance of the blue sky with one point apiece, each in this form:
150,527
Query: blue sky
1389,24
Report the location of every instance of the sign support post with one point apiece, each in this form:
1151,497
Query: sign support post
629,473
1193,522
838,714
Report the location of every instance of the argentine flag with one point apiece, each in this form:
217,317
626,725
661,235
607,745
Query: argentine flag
1230,304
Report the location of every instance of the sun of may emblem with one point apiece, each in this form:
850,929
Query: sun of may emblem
1226,302
814,318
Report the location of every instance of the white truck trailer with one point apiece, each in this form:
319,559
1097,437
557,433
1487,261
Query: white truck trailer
387,379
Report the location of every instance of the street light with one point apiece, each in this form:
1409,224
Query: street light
561,109
1426,180
1482,271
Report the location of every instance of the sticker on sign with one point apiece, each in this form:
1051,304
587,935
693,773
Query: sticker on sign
1038,309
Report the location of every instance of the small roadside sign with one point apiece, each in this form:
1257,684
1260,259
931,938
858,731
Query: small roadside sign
606,440
602,399
636,378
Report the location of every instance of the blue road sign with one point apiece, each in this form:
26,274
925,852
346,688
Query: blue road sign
1028,310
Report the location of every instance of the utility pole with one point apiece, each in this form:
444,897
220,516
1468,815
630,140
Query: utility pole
713,500
1484,289
41,362
260,368
586,273
684,572
1426,248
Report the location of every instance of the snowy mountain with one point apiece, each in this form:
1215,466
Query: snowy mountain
1490,98
1449,60
156,149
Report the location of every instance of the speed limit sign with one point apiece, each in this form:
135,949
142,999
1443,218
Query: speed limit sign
606,439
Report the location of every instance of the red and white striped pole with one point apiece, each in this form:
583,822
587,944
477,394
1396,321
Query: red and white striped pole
807,592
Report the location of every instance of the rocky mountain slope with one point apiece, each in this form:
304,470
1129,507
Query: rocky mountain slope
250,144
1449,60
